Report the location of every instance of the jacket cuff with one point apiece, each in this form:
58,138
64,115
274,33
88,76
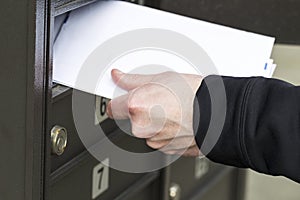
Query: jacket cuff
218,103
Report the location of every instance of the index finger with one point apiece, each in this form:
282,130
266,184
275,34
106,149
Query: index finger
130,81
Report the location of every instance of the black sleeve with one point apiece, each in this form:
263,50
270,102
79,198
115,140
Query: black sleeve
262,124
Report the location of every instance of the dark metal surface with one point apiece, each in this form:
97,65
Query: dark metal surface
23,98
62,115
140,188
29,111
75,182
182,172
279,18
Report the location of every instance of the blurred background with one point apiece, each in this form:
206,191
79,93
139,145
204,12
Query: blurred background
262,187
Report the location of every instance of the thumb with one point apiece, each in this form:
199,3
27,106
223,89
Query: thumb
129,81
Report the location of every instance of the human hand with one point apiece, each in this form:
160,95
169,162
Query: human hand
160,108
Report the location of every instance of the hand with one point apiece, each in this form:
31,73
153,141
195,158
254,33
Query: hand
160,108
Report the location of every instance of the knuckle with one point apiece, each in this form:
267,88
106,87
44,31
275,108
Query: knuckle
137,101
133,109
132,104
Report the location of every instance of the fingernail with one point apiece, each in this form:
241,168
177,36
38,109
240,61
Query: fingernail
117,72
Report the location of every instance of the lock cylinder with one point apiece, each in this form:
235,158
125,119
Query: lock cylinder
59,139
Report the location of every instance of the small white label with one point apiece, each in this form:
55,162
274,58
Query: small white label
201,167
100,113
100,178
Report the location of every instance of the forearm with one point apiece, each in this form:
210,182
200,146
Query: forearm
262,125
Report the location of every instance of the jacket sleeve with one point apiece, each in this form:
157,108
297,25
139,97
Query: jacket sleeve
262,124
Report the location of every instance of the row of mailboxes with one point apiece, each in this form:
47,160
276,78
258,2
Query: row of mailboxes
76,174
43,153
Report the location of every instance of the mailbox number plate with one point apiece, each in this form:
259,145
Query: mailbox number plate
100,178
100,112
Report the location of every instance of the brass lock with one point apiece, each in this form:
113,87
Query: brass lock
59,138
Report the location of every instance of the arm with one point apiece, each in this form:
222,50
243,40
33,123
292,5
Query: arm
262,126
262,122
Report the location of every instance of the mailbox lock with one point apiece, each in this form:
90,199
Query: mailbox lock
174,192
58,140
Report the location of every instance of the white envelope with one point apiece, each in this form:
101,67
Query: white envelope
232,52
